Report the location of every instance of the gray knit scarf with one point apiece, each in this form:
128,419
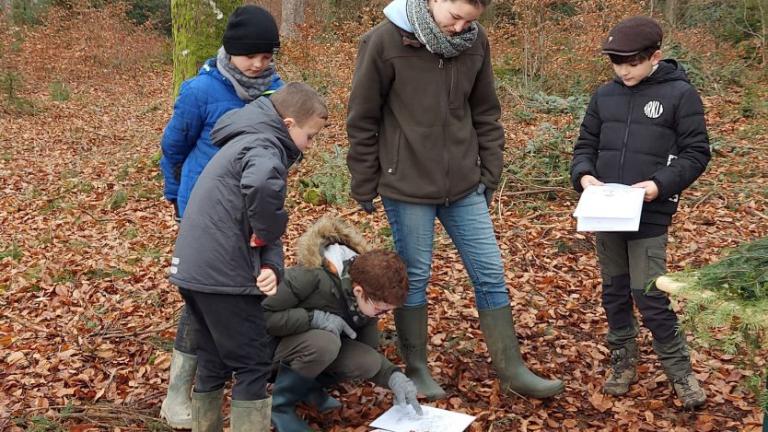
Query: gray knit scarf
247,88
428,33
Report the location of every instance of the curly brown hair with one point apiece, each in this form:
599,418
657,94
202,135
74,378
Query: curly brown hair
382,275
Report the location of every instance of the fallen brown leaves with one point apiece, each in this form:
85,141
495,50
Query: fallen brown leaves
87,318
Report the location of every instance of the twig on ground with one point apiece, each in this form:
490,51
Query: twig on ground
137,333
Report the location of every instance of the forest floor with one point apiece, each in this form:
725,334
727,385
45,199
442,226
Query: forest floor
88,315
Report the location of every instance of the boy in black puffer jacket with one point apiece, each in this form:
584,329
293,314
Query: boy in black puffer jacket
645,129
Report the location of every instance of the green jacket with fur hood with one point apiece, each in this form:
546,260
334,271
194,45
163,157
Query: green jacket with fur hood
316,284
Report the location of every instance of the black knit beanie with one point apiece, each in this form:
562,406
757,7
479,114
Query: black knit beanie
251,30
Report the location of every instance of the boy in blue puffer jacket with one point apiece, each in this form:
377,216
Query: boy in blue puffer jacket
242,71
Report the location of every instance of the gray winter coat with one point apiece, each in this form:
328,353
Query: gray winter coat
240,192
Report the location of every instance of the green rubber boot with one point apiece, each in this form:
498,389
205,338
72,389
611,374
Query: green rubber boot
176,409
248,416
411,324
499,330
206,411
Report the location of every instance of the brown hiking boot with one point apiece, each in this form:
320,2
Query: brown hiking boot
688,391
623,371
676,361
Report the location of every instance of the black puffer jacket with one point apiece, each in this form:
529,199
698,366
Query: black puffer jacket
652,131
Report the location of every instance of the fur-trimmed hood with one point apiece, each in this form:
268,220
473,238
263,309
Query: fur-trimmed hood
327,230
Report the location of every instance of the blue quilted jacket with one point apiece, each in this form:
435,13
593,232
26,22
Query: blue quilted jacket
186,142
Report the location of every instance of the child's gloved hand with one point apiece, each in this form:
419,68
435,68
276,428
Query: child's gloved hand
404,390
267,281
327,321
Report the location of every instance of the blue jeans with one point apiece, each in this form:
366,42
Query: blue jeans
468,223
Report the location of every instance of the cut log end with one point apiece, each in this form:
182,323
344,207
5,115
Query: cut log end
669,286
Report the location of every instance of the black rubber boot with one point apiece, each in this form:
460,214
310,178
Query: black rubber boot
289,389
319,398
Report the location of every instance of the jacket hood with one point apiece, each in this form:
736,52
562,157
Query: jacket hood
258,117
327,230
668,70
210,68
396,13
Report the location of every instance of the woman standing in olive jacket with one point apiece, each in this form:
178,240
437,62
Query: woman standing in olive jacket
424,133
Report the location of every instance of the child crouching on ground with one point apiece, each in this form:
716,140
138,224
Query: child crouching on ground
325,314
229,255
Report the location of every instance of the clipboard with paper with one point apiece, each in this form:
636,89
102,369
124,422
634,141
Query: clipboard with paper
610,207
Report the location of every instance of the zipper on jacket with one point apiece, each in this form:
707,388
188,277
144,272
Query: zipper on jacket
447,189
626,136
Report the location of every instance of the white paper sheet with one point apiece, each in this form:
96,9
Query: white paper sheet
404,419
611,207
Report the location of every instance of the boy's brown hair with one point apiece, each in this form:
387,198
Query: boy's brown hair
640,57
300,102
382,275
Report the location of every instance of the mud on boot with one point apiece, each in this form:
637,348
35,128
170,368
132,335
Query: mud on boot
176,408
623,370
689,391
676,361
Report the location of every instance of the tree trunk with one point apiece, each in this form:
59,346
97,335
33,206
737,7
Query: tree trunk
764,51
293,13
5,9
197,29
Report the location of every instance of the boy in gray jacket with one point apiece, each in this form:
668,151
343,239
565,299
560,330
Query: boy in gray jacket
228,254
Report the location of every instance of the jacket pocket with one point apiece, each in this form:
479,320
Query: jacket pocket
392,163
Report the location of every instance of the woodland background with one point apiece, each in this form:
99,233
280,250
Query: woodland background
87,321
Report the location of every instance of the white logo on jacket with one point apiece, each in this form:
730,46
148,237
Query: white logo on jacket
653,109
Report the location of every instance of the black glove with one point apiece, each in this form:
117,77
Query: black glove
327,321
176,216
367,206
404,390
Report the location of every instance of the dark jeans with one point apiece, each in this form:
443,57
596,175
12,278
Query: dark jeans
629,269
231,340
185,335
